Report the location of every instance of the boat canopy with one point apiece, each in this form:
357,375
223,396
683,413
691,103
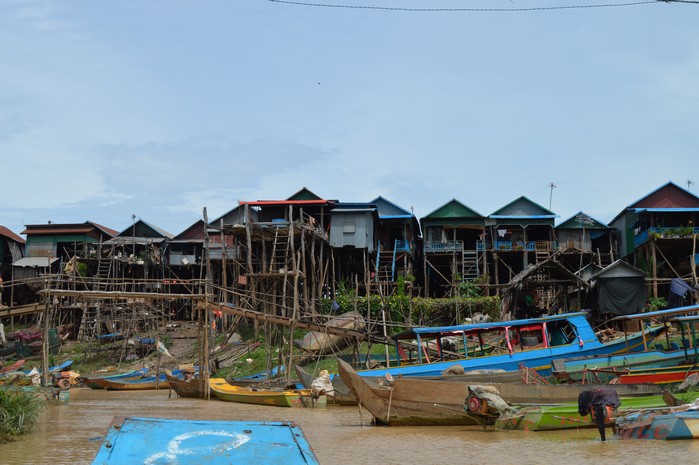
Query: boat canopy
658,314
524,325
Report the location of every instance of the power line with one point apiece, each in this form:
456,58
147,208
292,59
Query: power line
543,8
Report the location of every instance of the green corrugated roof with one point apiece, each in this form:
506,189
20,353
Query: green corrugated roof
454,210
522,206
582,220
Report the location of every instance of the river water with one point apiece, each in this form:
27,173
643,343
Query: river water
71,434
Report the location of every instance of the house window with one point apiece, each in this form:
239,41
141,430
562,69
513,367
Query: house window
349,228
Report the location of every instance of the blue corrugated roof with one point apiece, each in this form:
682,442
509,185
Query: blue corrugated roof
666,210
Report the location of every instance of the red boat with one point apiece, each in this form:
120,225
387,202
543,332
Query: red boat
14,367
660,375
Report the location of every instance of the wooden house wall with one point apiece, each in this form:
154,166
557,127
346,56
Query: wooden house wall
573,238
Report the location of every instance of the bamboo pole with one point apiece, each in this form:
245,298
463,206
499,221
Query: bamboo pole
655,270
45,344
205,366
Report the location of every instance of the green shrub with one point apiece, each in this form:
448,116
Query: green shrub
19,411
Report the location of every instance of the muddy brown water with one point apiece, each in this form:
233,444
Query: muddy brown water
70,434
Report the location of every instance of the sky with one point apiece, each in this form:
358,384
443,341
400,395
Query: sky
161,108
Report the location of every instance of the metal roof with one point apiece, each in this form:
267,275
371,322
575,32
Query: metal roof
35,262
286,202
523,217
665,210
10,235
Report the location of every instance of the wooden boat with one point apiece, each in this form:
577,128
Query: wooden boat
11,368
415,404
531,342
662,375
319,342
342,395
189,388
140,384
417,401
669,424
604,368
566,416
97,382
278,398
131,440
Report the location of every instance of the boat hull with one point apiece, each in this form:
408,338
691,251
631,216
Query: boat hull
662,426
276,398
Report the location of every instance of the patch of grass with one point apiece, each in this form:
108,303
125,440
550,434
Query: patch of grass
19,411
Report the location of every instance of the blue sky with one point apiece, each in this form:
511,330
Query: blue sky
159,108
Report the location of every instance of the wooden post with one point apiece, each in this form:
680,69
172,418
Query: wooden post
157,364
248,244
497,273
204,367
655,269
45,343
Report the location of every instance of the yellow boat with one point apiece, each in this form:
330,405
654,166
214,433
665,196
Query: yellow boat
261,396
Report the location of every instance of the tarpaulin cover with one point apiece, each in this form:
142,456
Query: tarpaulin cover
621,296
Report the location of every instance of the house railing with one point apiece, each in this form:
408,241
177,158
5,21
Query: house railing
516,246
679,232
443,247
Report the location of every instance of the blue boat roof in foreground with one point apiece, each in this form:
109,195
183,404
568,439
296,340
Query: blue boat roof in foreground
158,441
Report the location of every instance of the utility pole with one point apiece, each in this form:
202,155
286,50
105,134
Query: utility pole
552,186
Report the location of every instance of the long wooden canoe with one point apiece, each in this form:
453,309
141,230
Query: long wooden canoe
659,375
147,383
278,398
417,401
97,382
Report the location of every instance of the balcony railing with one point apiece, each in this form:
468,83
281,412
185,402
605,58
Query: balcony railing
679,232
443,247
515,246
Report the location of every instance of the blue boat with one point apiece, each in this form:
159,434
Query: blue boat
667,425
508,345
96,382
157,441
657,354
140,384
65,366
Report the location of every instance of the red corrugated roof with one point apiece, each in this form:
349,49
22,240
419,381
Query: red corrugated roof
10,235
287,202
